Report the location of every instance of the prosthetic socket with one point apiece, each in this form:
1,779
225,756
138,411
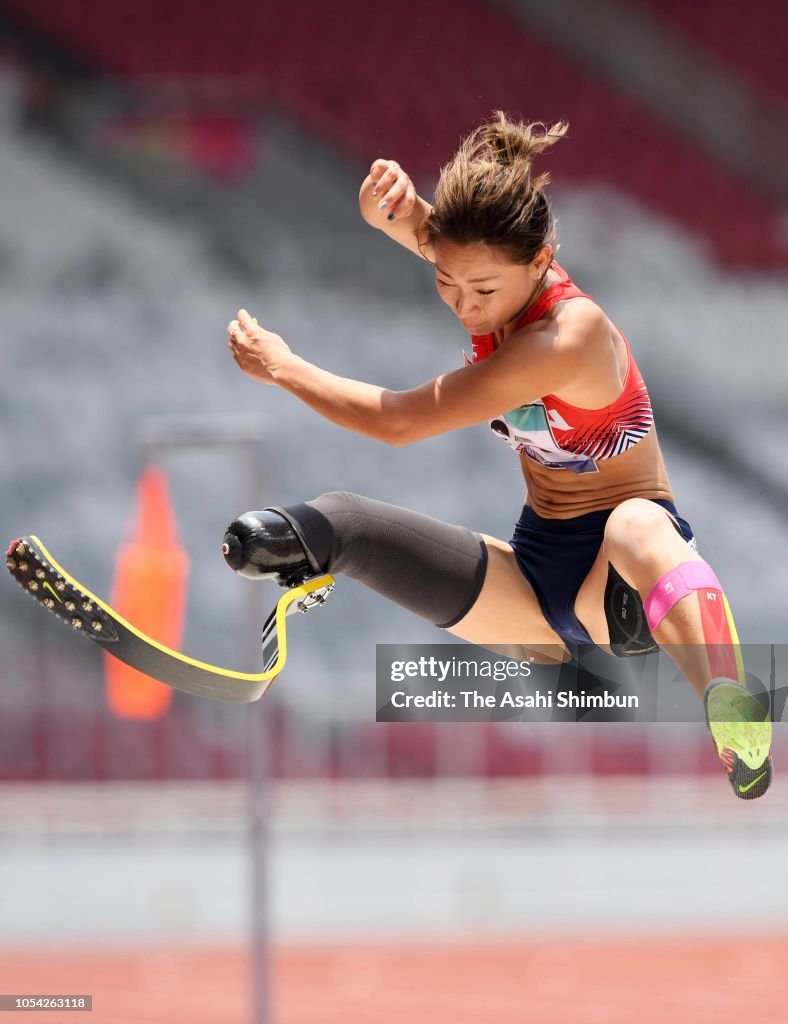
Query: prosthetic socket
432,568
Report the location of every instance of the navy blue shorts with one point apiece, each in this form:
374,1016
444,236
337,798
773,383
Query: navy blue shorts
556,555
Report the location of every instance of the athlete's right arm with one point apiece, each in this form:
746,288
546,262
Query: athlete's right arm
389,202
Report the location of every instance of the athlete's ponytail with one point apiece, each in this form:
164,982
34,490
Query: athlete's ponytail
487,193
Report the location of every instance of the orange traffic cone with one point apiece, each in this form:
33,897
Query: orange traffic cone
150,592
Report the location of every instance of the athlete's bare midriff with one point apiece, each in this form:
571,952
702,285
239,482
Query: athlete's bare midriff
560,494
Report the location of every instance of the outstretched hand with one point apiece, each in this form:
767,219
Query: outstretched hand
258,352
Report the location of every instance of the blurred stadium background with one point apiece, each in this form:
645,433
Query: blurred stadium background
163,162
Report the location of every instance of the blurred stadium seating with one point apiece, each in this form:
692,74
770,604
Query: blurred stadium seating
391,97
749,43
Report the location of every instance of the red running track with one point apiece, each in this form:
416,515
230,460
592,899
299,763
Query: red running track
703,980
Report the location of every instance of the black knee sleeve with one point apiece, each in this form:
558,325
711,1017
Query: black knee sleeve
626,620
432,568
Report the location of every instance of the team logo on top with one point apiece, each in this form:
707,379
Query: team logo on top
544,435
527,431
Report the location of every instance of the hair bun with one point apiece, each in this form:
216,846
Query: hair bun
511,141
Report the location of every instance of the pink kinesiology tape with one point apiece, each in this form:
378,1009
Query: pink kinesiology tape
674,585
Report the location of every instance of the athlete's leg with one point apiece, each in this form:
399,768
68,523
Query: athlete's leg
688,614
643,546
506,616
457,579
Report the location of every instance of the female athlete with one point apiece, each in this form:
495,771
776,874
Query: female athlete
600,554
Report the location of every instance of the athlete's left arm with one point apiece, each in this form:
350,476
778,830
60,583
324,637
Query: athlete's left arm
528,365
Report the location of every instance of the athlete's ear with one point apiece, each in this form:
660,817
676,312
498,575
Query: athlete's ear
544,257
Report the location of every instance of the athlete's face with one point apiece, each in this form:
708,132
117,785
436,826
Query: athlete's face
482,287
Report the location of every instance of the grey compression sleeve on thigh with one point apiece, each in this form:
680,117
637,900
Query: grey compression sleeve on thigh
427,566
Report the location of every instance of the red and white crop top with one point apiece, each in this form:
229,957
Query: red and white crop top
562,436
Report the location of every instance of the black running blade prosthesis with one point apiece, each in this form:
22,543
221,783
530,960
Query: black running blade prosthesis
37,572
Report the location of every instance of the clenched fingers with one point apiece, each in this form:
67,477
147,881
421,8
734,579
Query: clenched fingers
392,188
401,199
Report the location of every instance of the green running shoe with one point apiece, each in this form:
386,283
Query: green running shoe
742,733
